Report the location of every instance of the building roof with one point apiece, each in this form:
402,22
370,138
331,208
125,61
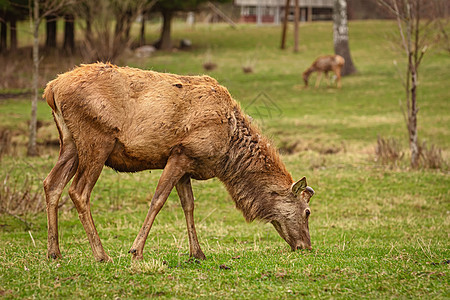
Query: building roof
275,3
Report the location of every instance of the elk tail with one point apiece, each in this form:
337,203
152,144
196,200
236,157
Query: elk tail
340,60
49,96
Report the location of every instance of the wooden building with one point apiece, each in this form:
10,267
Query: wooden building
272,11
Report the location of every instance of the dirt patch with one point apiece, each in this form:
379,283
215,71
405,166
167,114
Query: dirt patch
6,292
21,95
291,145
14,141
17,68
5,142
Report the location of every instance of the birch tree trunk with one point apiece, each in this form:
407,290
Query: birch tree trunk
32,149
412,45
340,36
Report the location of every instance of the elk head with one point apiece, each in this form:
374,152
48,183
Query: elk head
306,77
291,220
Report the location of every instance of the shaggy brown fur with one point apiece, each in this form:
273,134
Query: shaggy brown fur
325,64
133,120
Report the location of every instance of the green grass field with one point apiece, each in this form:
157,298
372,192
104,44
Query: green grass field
377,231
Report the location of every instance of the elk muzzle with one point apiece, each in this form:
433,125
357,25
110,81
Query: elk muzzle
302,245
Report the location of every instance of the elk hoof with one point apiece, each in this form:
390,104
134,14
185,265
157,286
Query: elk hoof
105,259
136,255
54,255
199,255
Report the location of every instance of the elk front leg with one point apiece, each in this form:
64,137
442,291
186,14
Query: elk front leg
318,79
327,77
54,184
175,168
184,190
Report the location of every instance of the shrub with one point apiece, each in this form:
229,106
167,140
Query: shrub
19,199
431,157
5,142
388,151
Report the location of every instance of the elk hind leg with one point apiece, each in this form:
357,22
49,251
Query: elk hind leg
184,190
328,78
89,168
54,184
338,78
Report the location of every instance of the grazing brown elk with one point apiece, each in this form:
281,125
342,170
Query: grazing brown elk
132,120
324,64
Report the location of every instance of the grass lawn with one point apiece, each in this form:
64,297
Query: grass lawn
377,231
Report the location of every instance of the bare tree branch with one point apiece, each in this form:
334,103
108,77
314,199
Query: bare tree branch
390,8
414,38
400,27
403,80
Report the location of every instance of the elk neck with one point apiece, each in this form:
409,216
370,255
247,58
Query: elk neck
252,171
309,71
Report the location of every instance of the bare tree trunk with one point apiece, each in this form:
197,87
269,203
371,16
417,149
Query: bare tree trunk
13,33
88,18
32,149
165,42
285,22
3,34
128,22
142,37
50,42
413,64
340,34
408,14
412,126
69,34
120,25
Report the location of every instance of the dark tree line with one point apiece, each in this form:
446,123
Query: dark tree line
69,32
10,13
96,19
14,11
105,25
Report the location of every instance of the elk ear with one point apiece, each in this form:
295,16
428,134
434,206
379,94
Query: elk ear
299,186
310,192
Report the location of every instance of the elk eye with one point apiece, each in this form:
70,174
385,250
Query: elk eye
307,212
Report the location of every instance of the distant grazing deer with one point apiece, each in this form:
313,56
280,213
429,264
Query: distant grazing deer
133,120
324,64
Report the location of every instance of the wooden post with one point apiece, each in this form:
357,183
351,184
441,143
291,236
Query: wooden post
286,14
296,17
303,16
259,14
277,15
